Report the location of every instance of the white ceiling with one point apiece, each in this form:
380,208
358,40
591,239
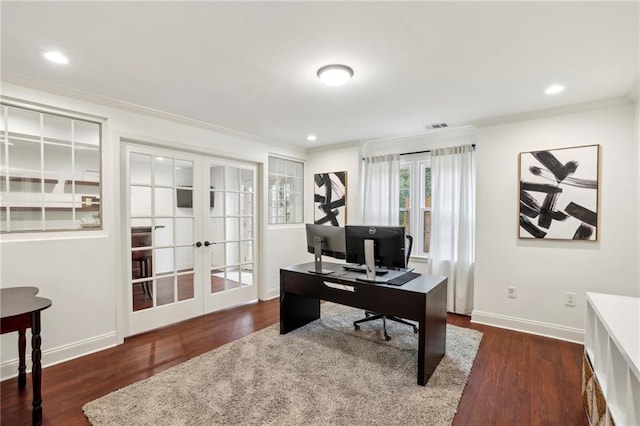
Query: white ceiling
251,66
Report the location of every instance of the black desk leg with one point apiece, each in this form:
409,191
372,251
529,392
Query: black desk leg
22,365
36,372
296,311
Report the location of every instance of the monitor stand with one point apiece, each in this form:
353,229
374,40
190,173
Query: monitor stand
317,254
369,260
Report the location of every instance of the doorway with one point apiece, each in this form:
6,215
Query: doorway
191,235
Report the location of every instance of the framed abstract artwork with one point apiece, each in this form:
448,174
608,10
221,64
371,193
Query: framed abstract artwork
330,198
559,193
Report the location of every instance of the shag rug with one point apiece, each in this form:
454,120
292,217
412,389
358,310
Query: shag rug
325,373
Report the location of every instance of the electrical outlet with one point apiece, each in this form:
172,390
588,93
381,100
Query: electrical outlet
511,292
570,299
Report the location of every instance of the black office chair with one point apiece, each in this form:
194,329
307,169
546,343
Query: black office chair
371,316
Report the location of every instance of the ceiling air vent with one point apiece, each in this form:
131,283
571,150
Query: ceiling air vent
438,126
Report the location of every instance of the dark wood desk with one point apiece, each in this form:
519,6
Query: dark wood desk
423,299
20,309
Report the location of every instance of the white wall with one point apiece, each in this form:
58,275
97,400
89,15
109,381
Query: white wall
542,271
335,159
83,272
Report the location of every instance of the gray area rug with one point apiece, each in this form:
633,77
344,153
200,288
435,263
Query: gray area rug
325,373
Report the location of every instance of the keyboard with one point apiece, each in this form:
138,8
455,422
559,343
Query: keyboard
363,269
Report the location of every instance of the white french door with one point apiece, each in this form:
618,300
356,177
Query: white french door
191,235
230,229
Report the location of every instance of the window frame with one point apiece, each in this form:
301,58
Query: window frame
46,141
416,166
285,192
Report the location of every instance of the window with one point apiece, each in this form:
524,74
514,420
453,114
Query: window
50,177
286,183
415,203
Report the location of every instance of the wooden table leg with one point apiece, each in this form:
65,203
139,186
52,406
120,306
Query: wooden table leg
36,372
22,365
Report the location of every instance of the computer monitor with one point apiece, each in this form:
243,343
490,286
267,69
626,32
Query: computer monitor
325,240
388,245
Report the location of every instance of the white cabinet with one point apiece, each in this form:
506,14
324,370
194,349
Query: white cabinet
612,351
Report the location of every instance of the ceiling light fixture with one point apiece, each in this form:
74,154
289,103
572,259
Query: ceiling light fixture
335,75
554,89
311,138
56,57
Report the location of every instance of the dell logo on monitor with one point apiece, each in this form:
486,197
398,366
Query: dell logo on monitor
372,230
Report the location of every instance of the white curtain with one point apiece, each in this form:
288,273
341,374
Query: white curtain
381,190
453,223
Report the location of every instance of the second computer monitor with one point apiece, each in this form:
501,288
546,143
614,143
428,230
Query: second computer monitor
389,243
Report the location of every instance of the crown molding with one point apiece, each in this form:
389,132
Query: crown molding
333,146
551,112
134,108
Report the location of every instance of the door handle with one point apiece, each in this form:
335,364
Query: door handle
198,244
207,243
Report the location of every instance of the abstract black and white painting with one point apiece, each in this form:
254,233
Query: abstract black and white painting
330,198
559,193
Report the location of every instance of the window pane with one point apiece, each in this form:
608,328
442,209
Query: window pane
405,220
286,186
427,187
405,188
427,231
44,167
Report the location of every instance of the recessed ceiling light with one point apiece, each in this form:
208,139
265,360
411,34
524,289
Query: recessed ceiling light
56,57
554,89
335,75
311,138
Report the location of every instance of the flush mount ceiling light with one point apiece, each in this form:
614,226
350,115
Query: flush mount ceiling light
56,57
335,75
311,138
554,89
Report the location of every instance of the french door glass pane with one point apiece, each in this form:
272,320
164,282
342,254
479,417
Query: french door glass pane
184,173
163,171
246,251
217,255
140,170
246,180
185,286
165,289
184,231
247,274
164,261
233,231
140,201
233,277
184,259
164,232
233,252
164,202
216,228
233,200
232,179
246,228
217,280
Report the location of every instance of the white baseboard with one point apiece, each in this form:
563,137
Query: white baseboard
60,354
555,331
272,293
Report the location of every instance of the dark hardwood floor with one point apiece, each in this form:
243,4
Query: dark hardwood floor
517,379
